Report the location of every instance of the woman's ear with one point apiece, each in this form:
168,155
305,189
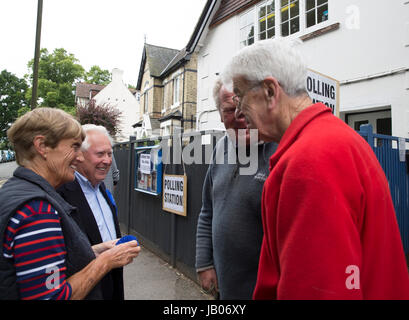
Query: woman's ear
39,145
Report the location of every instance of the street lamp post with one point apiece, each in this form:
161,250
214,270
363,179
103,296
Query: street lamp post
37,54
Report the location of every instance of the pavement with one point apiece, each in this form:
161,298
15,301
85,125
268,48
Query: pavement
149,277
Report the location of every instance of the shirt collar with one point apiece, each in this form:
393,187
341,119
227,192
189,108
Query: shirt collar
85,182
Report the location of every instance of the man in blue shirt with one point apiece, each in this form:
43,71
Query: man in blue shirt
96,214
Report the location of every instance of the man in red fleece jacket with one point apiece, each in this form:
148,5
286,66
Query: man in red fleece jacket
330,230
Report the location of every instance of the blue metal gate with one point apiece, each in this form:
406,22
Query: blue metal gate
386,149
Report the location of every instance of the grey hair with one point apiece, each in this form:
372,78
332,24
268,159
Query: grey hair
269,58
92,127
216,92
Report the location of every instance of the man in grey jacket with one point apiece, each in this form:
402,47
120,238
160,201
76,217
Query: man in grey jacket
112,177
229,230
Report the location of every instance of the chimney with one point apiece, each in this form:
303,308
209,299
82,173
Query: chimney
117,75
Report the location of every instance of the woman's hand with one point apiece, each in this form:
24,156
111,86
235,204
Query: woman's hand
110,257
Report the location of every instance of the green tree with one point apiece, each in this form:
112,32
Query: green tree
12,98
96,75
57,75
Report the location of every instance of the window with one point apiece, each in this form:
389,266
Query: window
290,17
166,130
316,12
270,18
381,120
145,97
384,126
358,124
247,29
266,20
145,102
176,90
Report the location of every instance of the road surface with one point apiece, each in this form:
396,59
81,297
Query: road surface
6,171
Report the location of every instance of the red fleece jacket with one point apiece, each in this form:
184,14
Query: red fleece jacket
330,230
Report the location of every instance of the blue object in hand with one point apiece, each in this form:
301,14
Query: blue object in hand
127,239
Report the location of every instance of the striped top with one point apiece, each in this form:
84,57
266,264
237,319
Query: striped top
35,242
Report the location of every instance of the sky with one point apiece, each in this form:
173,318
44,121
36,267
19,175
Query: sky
107,33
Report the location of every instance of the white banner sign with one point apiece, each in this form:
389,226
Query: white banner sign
322,88
402,149
145,163
174,194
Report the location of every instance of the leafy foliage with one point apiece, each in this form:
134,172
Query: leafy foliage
12,98
58,72
103,115
96,75
58,67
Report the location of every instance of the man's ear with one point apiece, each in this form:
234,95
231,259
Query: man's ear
271,87
39,145
221,116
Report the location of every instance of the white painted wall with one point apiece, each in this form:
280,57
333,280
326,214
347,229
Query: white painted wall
373,39
220,44
118,95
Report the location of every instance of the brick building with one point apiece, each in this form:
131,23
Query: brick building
168,91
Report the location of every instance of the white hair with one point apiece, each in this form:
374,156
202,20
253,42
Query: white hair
216,92
269,58
92,127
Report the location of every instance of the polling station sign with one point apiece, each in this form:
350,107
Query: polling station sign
174,194
322,88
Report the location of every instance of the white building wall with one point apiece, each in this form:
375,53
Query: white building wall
118,95
220,44
372,40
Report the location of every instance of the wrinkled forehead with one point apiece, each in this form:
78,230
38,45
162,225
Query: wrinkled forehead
228,85
241,84
98,140
225,94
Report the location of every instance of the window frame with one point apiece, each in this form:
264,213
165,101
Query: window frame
267,29
176,90
145,103
252,24
166,127
315,9
290,19
302,18
145,98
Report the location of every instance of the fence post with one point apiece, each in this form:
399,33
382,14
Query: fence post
173,240
173,216
132,140
368,131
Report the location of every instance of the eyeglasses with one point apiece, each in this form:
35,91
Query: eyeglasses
238,100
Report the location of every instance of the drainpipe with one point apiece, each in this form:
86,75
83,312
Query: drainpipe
200,115
183,99
132,141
